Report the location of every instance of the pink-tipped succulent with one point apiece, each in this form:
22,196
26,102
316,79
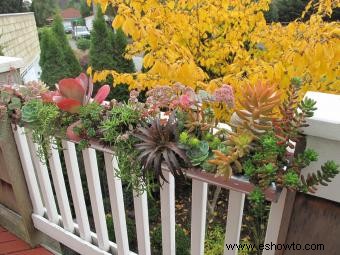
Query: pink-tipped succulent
72,93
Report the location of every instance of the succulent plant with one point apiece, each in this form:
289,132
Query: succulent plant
293,115
291,180
14,104
158,144
240,145
266,175
199,153
225,95
11,102
120,119
73,93
29,112
258,105
33,89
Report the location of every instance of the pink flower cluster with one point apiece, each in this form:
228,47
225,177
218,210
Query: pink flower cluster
184,101
225,95
170,97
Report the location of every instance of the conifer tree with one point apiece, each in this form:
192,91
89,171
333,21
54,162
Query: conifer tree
100,50
120,42
43,9
85,10
52,60
71,62
107,52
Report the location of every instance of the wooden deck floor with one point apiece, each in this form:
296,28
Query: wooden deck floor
10,244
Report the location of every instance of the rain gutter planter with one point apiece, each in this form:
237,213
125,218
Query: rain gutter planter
238,183
235,183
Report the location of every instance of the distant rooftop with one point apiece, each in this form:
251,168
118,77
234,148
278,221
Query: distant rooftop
70,13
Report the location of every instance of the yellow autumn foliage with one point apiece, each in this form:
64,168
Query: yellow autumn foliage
206,43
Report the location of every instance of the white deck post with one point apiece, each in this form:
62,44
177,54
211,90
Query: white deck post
323,135
274,222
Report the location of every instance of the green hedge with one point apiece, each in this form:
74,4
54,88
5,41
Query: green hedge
83,44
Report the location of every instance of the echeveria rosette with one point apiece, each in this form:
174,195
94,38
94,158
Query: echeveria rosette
74,92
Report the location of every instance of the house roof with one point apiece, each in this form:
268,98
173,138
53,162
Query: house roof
70,13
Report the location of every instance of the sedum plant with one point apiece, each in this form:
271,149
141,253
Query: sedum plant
258,143
43,120
10,103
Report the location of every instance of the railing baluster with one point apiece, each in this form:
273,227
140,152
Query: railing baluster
27,165
198,216
117,204
274,222
73,174
168,214
142,222
93,182
234,220
60,187
44,182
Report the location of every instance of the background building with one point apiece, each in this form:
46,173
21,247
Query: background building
19,38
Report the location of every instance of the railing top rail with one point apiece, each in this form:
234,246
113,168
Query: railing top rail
235,183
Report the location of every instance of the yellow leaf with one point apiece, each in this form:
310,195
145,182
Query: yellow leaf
104,4
148,61
153,40
171,5
89,71
118,21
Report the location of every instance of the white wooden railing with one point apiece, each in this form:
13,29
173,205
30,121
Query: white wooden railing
52,213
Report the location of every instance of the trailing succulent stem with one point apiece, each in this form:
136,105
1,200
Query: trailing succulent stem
42,119
328,171
121,119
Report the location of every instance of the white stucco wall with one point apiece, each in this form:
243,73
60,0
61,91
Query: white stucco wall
89,22
19,36
33,72
323,135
